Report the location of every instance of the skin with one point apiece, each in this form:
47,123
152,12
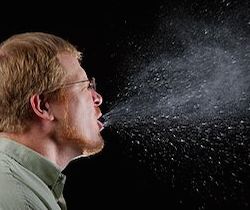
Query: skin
69,128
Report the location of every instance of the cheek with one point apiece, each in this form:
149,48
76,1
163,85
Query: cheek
81,110
84,112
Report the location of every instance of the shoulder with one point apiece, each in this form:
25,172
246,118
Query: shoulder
12,197
14,193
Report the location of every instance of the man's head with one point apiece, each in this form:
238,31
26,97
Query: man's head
35,69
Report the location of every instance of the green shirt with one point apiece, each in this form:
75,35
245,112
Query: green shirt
28,180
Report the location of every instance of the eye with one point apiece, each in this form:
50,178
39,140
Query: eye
89,86
84,87
92,84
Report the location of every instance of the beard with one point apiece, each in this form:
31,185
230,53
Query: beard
86,146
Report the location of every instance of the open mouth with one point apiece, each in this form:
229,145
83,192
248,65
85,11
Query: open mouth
100,123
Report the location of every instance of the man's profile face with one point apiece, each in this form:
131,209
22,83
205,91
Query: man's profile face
78,123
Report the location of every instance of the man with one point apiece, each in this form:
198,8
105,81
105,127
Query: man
49,113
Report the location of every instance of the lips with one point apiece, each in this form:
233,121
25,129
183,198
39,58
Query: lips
100,125
100,122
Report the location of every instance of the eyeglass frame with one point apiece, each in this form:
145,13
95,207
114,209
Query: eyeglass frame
92,84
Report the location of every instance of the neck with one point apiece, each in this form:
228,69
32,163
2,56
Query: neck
44,144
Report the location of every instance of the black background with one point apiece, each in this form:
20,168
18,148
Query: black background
110,179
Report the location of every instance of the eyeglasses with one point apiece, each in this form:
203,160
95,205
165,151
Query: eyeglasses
92,84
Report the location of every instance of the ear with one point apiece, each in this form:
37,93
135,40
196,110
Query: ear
41,107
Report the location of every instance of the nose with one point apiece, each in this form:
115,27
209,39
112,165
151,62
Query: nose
97,98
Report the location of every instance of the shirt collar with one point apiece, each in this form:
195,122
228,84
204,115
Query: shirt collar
36,163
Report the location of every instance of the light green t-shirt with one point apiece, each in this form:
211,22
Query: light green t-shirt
28,180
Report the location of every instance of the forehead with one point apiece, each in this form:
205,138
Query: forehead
72,66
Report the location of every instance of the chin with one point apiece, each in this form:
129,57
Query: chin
93,147
89,152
